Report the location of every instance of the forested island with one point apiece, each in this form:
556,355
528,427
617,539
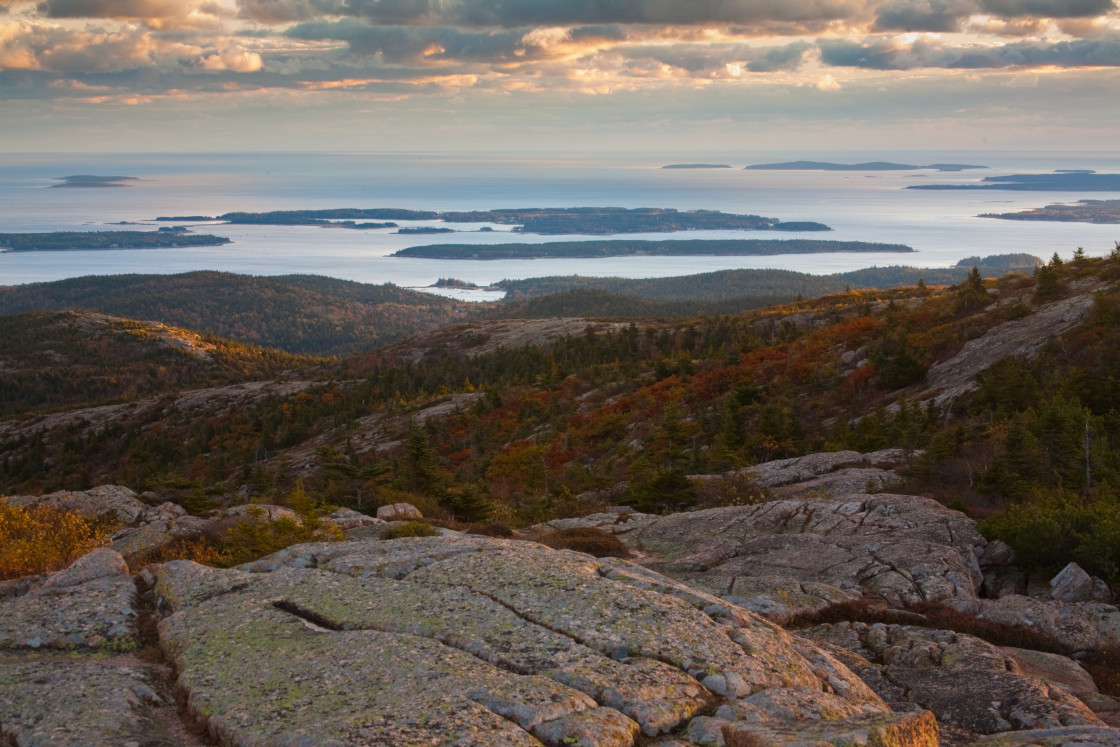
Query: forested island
866,166
1084,211
626,248
1058,181
579,220
696,166
61,241
415,230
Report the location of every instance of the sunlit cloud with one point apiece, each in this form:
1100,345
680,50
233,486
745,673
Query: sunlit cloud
726,57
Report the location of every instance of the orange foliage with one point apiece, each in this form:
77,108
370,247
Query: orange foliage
42,539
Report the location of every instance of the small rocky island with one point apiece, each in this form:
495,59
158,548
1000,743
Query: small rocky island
90,181
696,166
866,166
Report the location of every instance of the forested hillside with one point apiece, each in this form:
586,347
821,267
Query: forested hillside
53,360
469,429
297,313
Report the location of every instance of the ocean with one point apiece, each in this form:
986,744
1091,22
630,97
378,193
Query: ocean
861,206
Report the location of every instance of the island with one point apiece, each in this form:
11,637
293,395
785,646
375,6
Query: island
696,166
90,181
456,283
61,241
1058,181
867,166
423,229
1084,211
180,218
631,248
594,221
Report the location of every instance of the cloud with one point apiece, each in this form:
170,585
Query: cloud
554,13
951,15
234,60
719,60
923,15
886,54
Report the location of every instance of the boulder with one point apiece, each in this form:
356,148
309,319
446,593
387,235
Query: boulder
108,502
399,512
1073,584
474,640
1052,668
88,606
255,512
348,518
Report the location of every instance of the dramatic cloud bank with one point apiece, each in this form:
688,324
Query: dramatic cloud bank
703,62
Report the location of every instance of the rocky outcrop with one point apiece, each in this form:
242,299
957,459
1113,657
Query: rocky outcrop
63,678
1078,627
107,502
399,512
148,531
472,640
902,549
88,606
972,686
1020,338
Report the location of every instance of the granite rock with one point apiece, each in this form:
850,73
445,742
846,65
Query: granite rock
90,605
474,640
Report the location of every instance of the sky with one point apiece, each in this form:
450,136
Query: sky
674,75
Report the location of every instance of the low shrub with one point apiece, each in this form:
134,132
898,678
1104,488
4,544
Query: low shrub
591,540
410,529
41,539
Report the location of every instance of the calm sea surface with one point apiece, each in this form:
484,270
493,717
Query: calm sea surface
860,206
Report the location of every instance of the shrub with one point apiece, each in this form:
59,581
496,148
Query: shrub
42,540
591,540
1053,527
410,529
256,537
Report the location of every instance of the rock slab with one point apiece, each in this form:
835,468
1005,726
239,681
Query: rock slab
473,640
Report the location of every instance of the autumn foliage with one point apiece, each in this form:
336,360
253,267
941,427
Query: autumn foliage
41,539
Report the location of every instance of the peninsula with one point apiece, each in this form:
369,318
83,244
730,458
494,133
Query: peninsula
627,248
1084,211
1058,181
92,181
866,166
62,241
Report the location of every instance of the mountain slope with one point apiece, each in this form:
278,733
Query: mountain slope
54,360
297,313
